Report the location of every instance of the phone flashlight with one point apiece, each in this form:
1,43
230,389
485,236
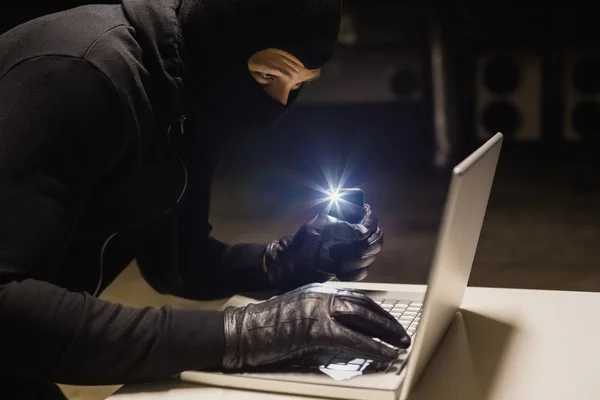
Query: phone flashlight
347,204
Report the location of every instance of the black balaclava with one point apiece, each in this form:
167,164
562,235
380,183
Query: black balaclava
220,36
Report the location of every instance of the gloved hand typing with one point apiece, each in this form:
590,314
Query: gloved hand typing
310,320
322,249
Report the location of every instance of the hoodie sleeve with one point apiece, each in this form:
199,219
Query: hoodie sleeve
60,127
177,259
180,257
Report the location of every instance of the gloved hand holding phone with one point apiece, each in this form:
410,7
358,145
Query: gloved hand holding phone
323,248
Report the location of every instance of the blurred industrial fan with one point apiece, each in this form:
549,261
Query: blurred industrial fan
508,96
582,103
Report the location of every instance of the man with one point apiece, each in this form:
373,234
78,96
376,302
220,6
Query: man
107,118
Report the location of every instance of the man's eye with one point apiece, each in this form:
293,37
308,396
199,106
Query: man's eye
267,77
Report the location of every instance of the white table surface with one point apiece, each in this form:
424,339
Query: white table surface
506,344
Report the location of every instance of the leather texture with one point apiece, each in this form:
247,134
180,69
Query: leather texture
311,320
324,248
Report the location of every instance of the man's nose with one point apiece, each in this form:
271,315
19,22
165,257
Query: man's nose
282,94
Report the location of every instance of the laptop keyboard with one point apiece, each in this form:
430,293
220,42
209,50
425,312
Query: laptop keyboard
406,312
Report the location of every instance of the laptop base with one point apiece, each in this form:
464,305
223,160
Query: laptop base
368,386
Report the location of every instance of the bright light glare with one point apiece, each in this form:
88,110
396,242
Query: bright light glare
332,190
334,196
335,199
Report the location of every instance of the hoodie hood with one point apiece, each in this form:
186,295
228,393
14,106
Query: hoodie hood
158,33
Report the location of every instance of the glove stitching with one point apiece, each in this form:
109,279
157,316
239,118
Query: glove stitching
241,350
331,307
284,322
232,338
370,305
357,297
270,310
286,355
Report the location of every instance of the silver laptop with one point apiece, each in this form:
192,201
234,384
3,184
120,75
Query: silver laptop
426,317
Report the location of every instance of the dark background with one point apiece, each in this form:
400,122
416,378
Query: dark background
529,69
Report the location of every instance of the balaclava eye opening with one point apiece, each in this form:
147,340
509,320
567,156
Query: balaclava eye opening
219,37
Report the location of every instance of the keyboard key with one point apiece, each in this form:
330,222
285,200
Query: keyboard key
344,367
357,361
387,302
342,359
373,367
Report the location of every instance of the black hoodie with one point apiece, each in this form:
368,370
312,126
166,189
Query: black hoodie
85,183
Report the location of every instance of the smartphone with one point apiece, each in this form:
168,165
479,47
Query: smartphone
350,206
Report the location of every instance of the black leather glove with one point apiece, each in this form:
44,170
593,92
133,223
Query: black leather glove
309,321
322,249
